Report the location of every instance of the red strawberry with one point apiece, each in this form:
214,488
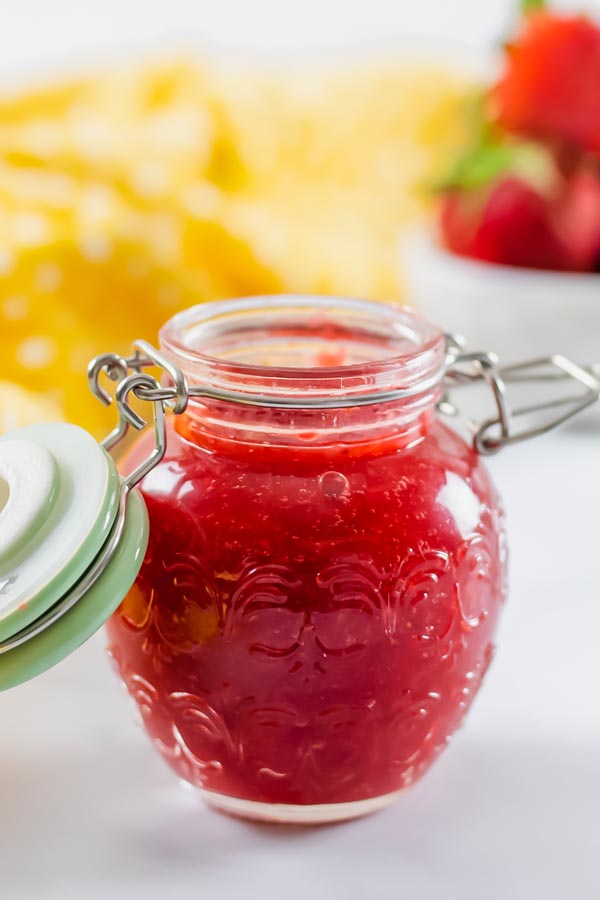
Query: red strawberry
509,223
551,86
577,220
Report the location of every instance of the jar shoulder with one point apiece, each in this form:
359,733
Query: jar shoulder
440,484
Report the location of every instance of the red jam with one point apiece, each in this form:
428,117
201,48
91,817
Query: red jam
317,608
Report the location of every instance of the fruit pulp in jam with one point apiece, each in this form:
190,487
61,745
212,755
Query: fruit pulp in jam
311,623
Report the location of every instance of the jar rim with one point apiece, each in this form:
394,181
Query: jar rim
412,355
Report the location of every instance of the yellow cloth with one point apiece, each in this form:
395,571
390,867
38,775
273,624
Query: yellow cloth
131,194
19,407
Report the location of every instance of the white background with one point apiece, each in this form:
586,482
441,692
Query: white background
88,811
32,32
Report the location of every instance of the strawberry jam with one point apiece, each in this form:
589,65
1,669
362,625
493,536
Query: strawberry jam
318,603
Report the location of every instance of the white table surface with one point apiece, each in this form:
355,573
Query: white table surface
510,812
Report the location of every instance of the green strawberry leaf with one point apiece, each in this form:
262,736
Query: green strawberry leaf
490,153
477,167
500,156
528,6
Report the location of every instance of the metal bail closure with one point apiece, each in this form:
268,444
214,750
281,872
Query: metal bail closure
72,540
512,425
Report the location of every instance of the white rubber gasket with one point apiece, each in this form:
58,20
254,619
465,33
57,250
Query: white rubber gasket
28,485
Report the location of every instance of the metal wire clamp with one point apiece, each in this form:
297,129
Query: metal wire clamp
459,369
504,429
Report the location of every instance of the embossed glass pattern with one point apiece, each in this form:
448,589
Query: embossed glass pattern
317,607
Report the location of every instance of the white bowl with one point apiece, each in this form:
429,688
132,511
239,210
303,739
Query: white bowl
517,313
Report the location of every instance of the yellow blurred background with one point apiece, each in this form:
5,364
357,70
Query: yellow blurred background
136,191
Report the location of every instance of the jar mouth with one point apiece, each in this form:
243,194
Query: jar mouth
317,345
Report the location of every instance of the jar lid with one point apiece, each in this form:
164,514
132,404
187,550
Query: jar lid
72,541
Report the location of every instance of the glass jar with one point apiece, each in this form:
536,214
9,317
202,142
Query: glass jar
318,603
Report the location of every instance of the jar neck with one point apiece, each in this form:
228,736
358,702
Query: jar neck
302,351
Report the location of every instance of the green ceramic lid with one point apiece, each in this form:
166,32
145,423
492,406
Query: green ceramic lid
61,510
80,623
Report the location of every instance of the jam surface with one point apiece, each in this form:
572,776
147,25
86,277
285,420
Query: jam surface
311,623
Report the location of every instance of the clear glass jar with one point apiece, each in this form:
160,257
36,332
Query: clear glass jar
317,607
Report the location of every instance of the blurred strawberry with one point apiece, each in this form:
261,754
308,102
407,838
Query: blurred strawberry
550,88
512,223
509,223
577,220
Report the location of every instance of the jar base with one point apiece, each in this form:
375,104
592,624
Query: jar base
297,813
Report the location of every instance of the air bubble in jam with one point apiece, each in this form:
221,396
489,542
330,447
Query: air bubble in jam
333,484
